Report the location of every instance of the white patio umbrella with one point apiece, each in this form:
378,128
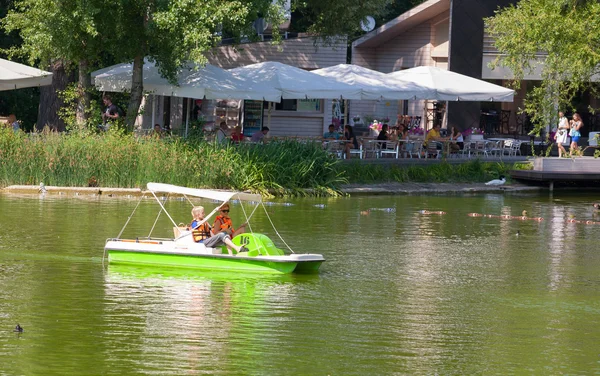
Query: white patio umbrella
452,86
193,82
296,83
16,76
375,85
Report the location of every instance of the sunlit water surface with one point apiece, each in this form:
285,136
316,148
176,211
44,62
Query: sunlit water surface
400,293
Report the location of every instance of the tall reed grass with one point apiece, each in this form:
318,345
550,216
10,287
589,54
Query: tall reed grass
115,159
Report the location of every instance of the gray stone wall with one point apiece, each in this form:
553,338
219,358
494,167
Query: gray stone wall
466,52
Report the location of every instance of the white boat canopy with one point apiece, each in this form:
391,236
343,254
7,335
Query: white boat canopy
222,196
452,86
16,76
296,83
194,81
375,85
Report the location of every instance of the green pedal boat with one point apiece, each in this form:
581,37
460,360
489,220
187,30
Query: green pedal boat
182,251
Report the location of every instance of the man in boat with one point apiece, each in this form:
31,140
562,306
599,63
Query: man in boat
201,232
223,223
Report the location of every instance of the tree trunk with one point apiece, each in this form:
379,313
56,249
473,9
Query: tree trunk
83,89
137,91
50,101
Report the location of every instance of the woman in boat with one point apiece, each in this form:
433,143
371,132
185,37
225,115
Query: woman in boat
201,233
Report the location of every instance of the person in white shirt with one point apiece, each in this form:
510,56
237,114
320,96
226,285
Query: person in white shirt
562,134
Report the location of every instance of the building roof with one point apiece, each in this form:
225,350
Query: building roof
402,23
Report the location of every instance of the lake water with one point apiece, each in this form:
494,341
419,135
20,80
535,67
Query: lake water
400,293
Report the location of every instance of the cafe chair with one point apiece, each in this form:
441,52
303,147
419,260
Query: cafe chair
373,149
358,151
433,150
336,148
391,148
417,148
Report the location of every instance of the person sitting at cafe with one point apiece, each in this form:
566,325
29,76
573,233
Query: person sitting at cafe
351,138
331,134
383,134
260,136
434,135
157,132
222,133
457,140
13,123
402,132
237,136
393,135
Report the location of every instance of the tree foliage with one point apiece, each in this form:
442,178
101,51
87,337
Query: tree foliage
167,32
558,38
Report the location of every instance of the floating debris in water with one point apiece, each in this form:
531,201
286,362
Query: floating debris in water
427,212
252,202
320,206
269,203
387,210
18,329
287,204
235,201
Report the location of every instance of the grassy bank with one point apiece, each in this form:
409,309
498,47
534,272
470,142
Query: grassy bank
468,172
115,159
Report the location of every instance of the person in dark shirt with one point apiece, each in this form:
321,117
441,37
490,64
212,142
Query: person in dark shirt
351,138
111,112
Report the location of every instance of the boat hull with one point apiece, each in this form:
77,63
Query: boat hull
167,253
206,262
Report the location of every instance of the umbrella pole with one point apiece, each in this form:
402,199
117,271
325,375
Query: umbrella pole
345,112
269,115
153,111
187,117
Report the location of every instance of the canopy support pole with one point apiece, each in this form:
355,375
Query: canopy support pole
345,112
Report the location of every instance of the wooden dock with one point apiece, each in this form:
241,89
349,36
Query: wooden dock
561,170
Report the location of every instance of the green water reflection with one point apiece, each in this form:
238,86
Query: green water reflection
400,293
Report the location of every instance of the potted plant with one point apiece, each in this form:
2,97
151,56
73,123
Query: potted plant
416,132
375,128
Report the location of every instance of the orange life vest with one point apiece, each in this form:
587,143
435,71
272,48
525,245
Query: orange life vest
202,232
226,223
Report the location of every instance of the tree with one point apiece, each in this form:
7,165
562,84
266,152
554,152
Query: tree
59,34
558,37
168,32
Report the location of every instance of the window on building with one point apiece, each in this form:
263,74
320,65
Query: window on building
301,105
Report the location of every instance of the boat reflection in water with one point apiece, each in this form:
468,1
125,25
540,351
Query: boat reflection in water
215,316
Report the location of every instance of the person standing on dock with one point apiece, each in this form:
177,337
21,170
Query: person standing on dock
562,134
576,125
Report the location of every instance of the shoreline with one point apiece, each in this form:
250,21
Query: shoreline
377,189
